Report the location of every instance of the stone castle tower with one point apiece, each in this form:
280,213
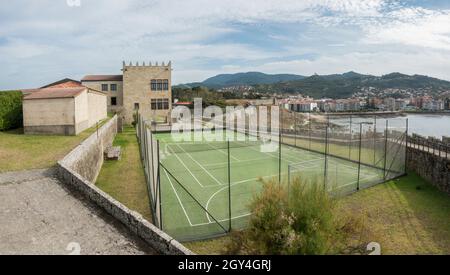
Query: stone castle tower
147,89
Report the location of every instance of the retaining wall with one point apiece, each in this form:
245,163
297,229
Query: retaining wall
80,168
87,158
432,167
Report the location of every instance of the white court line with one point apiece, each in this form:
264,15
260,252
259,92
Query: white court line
355,182
222,151
270,155
201,166
288,154
224,220
187,168
233,184
234,162
178,198
308,161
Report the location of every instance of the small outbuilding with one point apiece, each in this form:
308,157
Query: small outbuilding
62,110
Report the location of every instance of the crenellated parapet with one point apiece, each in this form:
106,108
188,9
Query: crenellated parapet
147,65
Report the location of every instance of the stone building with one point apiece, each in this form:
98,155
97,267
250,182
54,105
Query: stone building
112,85
142,87
62,111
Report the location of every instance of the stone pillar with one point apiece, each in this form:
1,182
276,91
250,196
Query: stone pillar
120,124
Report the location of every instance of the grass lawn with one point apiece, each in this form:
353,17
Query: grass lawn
22,152
406,216
124,180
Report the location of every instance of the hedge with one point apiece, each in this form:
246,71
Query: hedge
10,110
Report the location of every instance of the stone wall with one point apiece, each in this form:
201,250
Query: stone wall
87,158
432,167
156,238
79,170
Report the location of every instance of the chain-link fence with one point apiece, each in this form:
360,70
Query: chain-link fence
201,187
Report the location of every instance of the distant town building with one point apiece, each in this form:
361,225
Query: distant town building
434,105
303,106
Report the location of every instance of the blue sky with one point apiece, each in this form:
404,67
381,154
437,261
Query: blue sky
46,40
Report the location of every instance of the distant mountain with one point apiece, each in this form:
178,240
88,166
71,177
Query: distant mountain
344,85
319,86
250,79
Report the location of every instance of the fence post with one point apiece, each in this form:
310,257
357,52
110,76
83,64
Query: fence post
295,129
374,139
309,126
229,187
351,138
406,144
279,158
159,188
326,158
359,156
385,148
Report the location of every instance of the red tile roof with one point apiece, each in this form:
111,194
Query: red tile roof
48,93
63,83
102,78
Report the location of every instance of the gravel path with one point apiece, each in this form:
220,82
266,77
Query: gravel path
39,215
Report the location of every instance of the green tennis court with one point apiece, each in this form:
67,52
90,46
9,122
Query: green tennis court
205,183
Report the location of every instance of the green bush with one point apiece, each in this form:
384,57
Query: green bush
300,221
10,110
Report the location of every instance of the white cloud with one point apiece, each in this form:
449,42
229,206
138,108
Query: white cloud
43,40
413,27
18,48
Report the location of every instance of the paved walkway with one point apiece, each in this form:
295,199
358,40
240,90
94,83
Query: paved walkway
39,215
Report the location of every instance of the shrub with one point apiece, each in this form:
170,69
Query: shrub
300,221
10,110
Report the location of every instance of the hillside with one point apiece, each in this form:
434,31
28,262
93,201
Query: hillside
239,79
319,86
344,85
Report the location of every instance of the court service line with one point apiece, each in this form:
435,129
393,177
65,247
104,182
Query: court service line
293,154
233,184
178,198
223,220
179,159
223,152
234,162
266,153
189,155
